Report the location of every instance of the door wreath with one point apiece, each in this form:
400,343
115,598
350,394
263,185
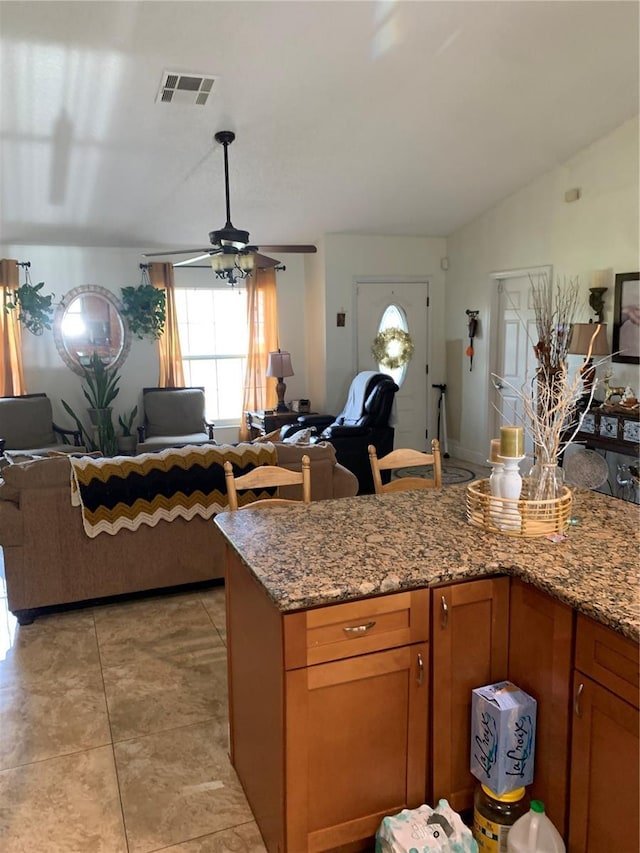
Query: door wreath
392,348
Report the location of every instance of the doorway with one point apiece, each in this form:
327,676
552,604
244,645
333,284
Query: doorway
373,298
514,359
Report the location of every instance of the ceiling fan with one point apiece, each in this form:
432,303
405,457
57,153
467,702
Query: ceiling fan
231,255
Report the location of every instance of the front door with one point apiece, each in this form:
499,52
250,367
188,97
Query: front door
373,298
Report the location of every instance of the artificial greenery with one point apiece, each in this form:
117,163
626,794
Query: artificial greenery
392,348
100,390
126,422
145,309
35,311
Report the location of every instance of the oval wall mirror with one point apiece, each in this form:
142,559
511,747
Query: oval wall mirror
87,320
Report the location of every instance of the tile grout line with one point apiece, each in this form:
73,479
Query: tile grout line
112,744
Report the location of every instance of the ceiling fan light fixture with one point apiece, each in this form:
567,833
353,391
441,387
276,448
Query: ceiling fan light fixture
232,265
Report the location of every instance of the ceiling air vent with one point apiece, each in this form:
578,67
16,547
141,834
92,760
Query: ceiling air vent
185,88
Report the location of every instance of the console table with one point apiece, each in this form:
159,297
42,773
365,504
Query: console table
611,429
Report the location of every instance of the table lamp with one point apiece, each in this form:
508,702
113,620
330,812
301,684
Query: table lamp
279,365
581,335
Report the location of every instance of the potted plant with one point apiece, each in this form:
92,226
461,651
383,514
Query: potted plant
35,311
144,308
127,439
100,389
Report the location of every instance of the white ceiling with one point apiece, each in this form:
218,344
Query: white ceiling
355,117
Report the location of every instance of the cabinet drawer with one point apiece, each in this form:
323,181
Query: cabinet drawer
608,657
355,628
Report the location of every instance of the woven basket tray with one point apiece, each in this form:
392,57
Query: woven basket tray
523,517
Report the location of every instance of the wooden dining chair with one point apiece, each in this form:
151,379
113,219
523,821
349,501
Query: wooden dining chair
405,458
268,477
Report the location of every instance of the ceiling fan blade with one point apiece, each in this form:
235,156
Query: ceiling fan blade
177,252
288,249
193,260
265,263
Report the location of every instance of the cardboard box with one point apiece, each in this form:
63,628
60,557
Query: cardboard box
503,736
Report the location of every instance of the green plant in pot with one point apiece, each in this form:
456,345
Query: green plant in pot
127,439
145,310
100,390
35,311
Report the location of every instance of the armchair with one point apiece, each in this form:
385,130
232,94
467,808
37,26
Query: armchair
26,426
173,417
367,418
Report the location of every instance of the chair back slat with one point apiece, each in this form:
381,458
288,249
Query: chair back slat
268,477
406,458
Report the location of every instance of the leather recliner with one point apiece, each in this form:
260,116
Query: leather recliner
366,419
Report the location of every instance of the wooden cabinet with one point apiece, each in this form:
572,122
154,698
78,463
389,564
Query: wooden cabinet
541,663
328,711
605,747
470,626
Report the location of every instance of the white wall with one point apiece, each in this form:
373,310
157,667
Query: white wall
533,227
63,268
349,257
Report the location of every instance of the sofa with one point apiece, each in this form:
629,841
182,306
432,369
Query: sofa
50,560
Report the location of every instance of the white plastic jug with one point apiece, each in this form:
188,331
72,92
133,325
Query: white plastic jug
534,833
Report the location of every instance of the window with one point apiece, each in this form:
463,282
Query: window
394,318
212,324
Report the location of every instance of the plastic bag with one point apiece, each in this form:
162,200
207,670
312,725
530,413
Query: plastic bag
425,829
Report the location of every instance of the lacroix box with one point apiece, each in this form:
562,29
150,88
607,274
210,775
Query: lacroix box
503,736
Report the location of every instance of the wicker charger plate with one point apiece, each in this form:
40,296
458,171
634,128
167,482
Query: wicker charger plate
523,518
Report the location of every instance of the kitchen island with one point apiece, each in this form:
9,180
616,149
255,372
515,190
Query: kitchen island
334,636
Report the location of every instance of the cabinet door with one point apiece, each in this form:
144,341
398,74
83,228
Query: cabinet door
470,626
356,745
540,662
604,771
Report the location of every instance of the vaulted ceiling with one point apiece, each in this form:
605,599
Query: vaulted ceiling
356,117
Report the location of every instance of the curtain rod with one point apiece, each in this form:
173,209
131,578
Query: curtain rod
24,264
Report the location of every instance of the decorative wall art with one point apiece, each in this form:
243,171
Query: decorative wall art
626,318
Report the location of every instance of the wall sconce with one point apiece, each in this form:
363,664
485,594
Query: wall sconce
599,280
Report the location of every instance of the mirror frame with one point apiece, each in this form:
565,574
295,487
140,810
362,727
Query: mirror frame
61,308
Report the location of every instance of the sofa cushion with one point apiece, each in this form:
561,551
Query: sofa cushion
26,422
39,474
323,463
180,412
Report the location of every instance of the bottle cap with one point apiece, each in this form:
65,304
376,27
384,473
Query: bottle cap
537,806
508,797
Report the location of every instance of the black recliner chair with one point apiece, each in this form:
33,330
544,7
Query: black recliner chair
364,420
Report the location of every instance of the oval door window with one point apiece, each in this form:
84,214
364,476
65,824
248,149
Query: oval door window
394,317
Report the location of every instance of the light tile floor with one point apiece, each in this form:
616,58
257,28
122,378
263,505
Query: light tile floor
113,731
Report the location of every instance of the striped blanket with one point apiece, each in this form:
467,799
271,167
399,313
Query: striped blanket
124,492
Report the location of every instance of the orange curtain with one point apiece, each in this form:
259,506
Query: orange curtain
262,314
11,375
171,372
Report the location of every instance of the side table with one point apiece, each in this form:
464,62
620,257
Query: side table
260,423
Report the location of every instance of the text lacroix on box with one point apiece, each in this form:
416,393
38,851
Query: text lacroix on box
503,736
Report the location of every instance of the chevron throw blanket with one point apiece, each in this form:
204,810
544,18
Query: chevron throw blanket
126,491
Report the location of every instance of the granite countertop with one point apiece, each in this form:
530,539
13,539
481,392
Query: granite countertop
339,550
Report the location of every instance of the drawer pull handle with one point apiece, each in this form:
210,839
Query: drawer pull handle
420,670
444,608
576,704
359,629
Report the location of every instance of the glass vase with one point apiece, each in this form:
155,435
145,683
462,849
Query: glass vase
546,480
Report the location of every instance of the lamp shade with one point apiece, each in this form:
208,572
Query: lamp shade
581,335
279,364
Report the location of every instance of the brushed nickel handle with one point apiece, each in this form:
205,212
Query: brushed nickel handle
444,612
576,704
359,629
420,670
